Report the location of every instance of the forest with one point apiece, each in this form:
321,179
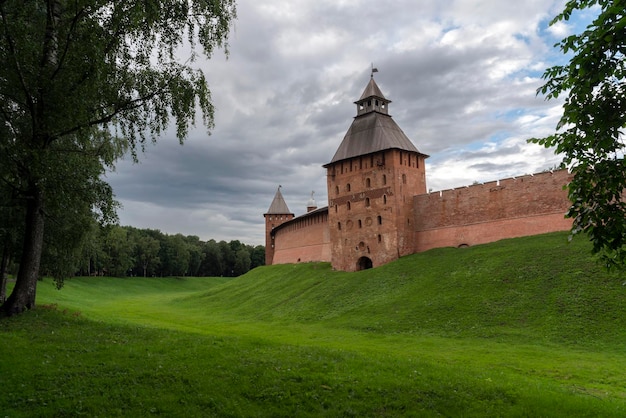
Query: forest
124,251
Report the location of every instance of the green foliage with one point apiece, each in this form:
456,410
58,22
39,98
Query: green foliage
101,61
257,256
175,255
212,260
494,330
117,250
590,131
122,251
147,251
242,262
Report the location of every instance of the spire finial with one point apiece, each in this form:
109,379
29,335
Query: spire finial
311,205
374,70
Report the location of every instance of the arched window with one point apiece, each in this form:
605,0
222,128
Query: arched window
380,238
384,199
335,208
367,202
348,205
368,182
384,179
360,224
348,187
380,220
336,189
339,226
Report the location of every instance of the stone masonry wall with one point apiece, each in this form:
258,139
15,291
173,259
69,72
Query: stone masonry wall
514,207
305,239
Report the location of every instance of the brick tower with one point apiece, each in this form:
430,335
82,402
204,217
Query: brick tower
371,181
277,214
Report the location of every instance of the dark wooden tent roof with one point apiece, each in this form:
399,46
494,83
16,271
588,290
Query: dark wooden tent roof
373,130
278,206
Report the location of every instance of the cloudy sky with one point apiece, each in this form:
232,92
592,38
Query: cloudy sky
461,74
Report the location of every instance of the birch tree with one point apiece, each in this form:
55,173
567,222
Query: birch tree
81,83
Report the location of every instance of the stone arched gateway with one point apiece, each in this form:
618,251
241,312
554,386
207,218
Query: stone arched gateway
364,263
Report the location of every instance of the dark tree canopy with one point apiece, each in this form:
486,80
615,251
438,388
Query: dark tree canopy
81,83
590,134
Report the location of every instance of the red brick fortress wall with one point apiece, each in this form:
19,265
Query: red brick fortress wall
481,213
304,239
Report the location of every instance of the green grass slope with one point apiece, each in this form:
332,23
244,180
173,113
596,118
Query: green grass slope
524,327
540,289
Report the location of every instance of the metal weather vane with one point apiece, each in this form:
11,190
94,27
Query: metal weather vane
374,70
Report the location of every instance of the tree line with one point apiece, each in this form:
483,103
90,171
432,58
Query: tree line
127,251
122,251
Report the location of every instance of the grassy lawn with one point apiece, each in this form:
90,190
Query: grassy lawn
524,327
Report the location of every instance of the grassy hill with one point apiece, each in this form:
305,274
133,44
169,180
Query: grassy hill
524,327
529,289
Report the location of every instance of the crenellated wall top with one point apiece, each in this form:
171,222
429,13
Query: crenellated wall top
554,176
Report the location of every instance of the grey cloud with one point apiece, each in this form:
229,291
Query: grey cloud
494,167
284,103
498,152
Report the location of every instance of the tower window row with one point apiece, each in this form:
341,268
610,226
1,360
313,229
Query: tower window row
409,159
367,202
375,160
368,184
280,218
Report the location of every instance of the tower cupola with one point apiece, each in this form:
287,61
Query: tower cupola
372,100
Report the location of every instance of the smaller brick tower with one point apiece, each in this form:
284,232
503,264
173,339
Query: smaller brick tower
371,182
277,214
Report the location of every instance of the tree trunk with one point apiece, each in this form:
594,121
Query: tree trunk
4,273
23,295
